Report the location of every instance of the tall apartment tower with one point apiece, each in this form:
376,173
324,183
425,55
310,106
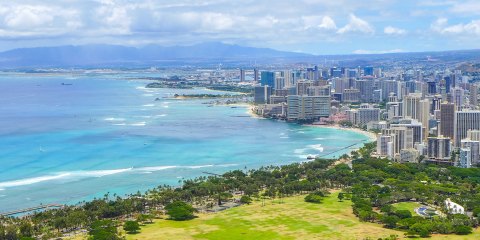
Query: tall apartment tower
447,120
242,75
458,96
416,108
465,121
473,98
256,75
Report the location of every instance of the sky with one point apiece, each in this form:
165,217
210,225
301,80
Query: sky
309,26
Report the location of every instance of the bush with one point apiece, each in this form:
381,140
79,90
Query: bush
387,209
390,221
462,229
402,214
131,226
245,199
180,211
313,198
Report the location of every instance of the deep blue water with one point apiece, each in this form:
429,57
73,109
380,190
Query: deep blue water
104,133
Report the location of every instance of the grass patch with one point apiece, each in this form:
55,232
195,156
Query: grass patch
410,206
292,219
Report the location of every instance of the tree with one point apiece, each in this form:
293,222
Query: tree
476,212
245,199
11,233
341,196
462,229
180,211
26,229
421,228
131,227
403,214
387,209
313,198
390,221
103,230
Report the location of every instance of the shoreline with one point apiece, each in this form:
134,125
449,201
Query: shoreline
372,136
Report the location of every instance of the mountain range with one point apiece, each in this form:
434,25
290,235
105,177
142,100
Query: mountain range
94,55
204,54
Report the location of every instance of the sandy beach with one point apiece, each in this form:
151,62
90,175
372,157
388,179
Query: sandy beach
372,136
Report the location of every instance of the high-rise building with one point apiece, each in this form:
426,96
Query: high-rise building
465,158
351,95
302,87
417,129
385,145
242,75
415,107
439,148
473,97
307,107
366,90
465,121
447,120
268,79
474,147
340,84
458,96
363,116
318,90
473,135
279,83
255,75
368,71
388,87
448,83
403,138
262,94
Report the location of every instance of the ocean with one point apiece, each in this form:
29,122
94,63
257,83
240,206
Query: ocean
66,139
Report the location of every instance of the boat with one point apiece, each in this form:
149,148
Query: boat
310,157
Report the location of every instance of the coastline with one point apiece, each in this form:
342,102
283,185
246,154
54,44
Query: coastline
372,136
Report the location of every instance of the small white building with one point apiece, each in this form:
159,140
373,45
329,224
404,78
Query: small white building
454,208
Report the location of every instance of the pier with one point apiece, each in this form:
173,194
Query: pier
26,210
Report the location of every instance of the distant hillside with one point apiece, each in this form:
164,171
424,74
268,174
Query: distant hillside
87,55
206,54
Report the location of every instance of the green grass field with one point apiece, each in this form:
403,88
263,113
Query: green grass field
291,219
410,206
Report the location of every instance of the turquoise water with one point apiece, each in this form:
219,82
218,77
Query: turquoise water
69,143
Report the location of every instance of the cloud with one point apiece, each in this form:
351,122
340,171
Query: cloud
441,26
322,26
327,23
466,7
356,24
394,31
319,22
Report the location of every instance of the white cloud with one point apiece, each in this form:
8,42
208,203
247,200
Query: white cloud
441,26
319,22
327,23
356,24
466,7
394,31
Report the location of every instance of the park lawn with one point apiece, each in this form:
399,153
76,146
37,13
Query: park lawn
410,206
291,219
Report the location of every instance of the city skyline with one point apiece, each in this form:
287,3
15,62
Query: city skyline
316,27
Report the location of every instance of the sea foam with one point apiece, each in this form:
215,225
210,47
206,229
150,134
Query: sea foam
76,175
